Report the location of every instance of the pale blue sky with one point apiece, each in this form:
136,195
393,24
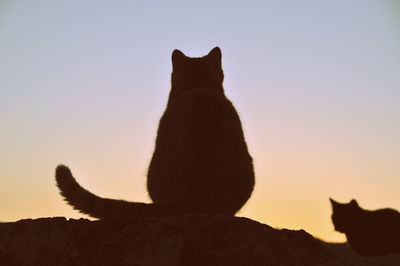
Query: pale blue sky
316,84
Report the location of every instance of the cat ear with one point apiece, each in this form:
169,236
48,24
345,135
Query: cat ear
177,57
215,54
354,203
333,203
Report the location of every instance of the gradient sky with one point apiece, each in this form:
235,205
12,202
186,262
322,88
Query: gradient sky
317,85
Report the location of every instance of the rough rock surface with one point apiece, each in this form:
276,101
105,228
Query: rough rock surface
188,240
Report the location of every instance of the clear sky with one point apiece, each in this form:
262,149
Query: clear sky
316,83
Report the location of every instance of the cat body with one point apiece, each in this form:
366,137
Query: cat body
200,164
370,233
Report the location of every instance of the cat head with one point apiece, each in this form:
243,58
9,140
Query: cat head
191,72
344,214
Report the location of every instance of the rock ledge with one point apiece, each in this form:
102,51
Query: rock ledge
188,240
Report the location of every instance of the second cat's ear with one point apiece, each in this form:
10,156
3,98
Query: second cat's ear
333,203
177,57
354,203
215,54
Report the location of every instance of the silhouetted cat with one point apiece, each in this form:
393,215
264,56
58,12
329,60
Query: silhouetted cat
200,164
370,233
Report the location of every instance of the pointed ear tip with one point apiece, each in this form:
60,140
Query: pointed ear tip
176,51
216,50
177,55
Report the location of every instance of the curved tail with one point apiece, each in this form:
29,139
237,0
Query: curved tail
102,208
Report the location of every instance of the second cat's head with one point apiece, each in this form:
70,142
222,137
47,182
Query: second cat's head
344,214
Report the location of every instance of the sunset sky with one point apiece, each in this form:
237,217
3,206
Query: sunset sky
316,83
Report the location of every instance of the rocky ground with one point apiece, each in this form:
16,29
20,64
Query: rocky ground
188,240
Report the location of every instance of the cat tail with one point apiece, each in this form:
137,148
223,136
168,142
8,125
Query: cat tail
108,209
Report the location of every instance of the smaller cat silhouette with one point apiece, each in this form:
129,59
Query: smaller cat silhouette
370,233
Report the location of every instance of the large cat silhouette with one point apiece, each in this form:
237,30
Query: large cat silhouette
370,233
200,165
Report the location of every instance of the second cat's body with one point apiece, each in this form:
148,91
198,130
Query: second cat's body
370,233
200,164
